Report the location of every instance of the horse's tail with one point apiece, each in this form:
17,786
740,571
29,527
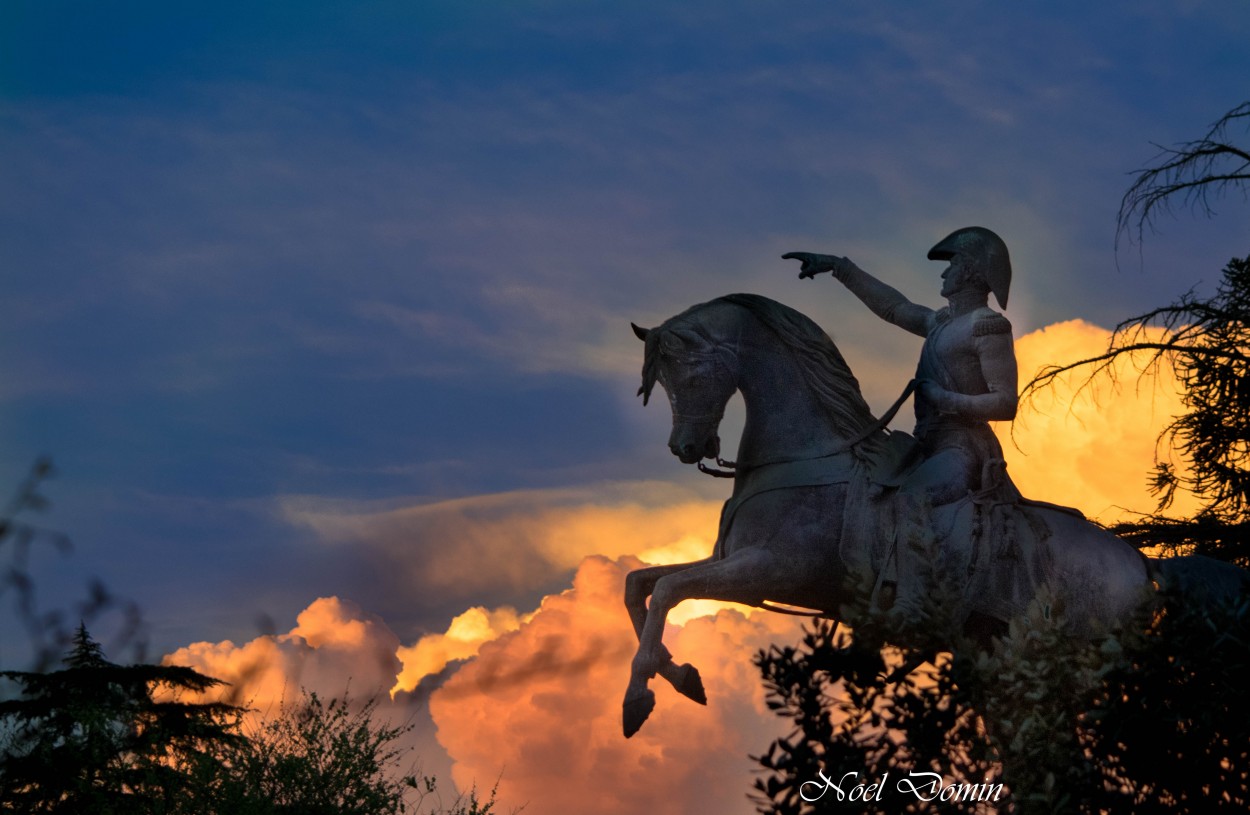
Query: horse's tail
1200,577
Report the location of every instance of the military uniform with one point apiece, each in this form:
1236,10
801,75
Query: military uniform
966,378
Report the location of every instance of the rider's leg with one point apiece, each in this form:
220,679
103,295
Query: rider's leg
945,477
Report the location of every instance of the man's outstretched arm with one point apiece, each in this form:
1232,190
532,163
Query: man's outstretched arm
884,300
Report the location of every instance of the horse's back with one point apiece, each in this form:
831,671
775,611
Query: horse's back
1096,580
1009,555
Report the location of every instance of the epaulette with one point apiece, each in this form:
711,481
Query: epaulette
991,323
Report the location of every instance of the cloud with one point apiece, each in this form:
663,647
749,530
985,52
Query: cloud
514,542
542,706
334,646
335,649
469,631
466,634
1090,448
539,698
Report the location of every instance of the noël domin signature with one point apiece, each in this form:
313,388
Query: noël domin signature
925,786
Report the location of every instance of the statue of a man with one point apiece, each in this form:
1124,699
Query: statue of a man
967,371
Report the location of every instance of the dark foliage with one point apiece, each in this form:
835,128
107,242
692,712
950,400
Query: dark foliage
854,728
328,758
1171,723
102,738
1153,720
317,757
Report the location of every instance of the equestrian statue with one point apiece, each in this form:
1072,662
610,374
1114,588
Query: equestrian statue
834,515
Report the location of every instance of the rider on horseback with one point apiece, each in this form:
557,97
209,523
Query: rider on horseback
966,378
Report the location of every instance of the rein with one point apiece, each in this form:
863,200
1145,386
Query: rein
880,424
730,470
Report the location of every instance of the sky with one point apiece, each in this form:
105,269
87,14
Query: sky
322,311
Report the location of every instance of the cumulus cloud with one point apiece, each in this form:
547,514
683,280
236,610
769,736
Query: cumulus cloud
542,706
336,649
539,698
466,634
1090,448
334,646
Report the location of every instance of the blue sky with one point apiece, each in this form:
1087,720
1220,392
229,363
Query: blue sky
380,255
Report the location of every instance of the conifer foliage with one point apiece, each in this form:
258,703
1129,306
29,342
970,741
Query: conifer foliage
104,738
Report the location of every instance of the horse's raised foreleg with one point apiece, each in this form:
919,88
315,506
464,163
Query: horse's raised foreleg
737,579
638,587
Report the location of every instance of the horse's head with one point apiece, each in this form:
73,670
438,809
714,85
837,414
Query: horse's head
697,367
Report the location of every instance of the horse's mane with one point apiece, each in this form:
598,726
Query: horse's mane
824,370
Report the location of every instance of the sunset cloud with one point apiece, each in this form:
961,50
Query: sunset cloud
463,638
542,705
336,649
335,646
1091,448
473,548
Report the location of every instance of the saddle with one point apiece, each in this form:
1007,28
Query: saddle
992,544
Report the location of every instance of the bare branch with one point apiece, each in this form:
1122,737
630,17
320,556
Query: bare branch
1049,374
1192,172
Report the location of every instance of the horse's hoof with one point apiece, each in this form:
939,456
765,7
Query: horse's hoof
636,710
689,684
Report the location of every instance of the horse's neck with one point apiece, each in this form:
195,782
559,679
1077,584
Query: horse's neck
784,420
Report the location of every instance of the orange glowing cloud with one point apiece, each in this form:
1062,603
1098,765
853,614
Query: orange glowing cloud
468,548
466,634
1090,448
542,706
335,649
335,645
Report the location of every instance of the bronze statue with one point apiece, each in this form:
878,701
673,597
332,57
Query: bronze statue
824,496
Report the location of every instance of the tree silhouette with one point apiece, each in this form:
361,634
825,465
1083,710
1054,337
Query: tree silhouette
1207,342
854,728
93,737
330,758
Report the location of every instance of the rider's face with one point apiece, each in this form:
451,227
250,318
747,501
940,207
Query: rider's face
957,276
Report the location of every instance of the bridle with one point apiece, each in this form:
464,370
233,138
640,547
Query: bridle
722,350
719,353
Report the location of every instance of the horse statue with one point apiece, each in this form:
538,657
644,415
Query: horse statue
811,524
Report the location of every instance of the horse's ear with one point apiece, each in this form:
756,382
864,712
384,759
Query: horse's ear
640,333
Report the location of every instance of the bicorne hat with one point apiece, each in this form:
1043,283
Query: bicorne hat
986,250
